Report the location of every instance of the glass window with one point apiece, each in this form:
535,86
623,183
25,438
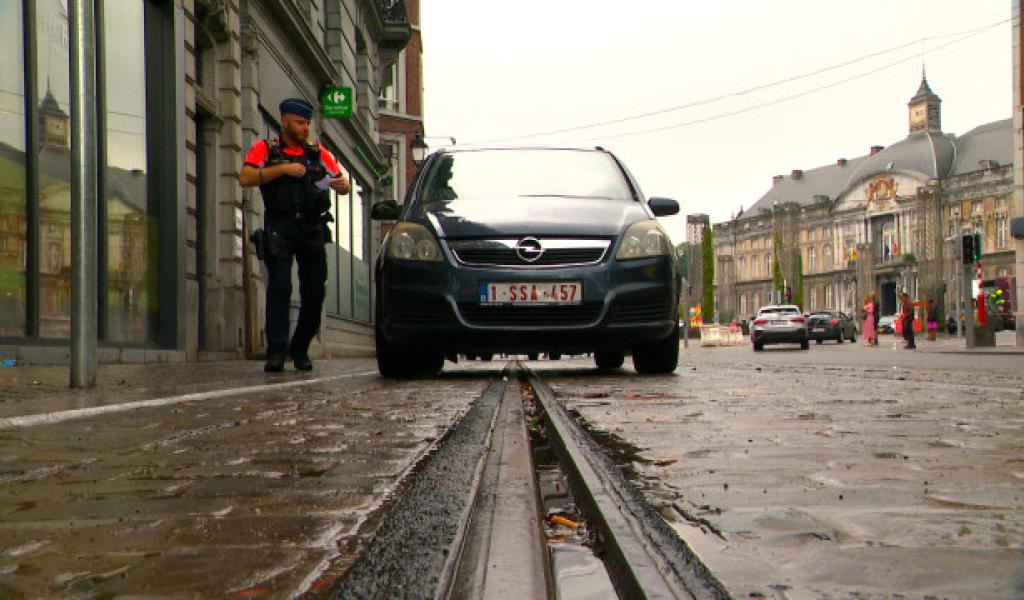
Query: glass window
54,249
131,228
12,172
360,264
497,174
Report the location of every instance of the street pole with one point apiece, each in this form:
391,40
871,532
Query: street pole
968,312
82,25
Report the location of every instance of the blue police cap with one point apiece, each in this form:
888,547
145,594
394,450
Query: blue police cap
297,106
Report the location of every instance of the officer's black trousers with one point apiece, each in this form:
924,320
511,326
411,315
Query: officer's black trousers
312,262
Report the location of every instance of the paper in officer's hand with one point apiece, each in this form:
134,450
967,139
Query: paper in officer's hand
324,183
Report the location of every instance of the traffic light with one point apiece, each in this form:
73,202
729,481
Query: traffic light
971,247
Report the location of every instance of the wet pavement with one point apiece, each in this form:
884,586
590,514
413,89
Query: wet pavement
838,472
842,471
263,491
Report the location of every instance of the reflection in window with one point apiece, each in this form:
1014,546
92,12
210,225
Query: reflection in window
508,173
131,294
360,266
12,173
54,249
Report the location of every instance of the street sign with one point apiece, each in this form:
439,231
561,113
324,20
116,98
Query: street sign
336,103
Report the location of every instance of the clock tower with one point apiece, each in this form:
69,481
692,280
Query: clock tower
54,121
924,110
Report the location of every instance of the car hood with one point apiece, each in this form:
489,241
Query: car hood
533,216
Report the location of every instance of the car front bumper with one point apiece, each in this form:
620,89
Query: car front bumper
437,306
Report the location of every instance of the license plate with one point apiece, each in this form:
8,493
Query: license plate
777,323
819,329
524,292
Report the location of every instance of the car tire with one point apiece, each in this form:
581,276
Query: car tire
804,345
532,356
817,341
660,357
395,361
609,359
487,357
758,346
554,355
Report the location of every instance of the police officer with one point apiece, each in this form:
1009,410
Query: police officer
293,174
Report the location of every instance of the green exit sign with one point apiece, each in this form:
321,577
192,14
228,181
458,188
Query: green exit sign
336,103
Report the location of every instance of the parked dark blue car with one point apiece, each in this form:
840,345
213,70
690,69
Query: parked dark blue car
526,250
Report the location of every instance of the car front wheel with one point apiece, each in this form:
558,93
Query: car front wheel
660,357
609,359
397,361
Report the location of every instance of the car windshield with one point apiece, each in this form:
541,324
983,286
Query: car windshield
780,310
500,174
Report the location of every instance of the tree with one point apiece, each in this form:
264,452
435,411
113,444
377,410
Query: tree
683,252
798,291
707,306
776,267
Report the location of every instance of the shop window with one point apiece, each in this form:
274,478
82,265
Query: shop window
131,227
13,230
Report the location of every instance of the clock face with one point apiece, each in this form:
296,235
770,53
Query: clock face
918,114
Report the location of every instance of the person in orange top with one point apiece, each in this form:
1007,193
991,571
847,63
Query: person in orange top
907,318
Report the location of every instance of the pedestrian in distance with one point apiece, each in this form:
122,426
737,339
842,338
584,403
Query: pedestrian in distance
294,175
907,319
931,319
876,309
868,327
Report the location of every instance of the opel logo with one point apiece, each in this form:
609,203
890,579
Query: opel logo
529,249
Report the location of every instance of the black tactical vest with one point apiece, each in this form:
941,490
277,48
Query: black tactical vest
289,196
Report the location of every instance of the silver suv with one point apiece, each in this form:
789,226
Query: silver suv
779,324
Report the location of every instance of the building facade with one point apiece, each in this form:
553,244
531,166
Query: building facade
184,87
884,222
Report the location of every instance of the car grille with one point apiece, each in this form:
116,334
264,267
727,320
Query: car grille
641,307
419,310
502,252
530,316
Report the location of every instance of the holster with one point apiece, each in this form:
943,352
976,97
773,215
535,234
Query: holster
268,244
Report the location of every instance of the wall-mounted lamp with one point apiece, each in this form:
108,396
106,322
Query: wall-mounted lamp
419,150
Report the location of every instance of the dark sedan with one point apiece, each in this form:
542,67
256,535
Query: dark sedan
831,325
526,250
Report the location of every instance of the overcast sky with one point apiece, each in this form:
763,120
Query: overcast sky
494,71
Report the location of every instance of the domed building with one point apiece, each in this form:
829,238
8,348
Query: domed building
884,222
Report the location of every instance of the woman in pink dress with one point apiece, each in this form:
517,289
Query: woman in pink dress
868,324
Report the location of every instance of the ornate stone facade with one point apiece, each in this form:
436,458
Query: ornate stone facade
883,222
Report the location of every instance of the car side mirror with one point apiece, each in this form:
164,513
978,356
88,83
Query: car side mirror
663,207
386,210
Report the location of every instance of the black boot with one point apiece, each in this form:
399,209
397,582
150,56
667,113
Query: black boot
275,363
302,362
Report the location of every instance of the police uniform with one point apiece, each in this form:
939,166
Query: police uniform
295,226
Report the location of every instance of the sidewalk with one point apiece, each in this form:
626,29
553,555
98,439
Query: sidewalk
947,344
41,389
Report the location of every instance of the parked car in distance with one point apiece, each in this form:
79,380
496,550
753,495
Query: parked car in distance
887,324
525,251
779,324
830,325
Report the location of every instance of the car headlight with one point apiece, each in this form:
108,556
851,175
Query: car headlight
409,241
643,239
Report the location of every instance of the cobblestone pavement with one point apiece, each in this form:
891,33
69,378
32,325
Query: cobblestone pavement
263,492
842,471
